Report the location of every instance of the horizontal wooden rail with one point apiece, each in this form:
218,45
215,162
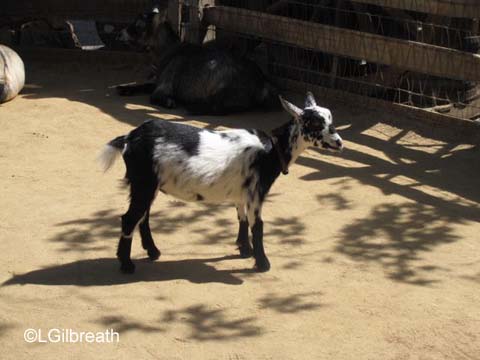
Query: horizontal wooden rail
404,54
99,57
100,10
452,8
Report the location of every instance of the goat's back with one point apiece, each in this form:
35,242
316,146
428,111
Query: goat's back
212,77
190,163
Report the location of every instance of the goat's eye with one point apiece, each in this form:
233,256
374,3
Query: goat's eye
316,123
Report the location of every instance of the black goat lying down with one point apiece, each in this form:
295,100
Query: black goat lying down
204,79
233,166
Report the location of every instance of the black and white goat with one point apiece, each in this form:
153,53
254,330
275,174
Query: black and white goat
12,74
205,79
233,166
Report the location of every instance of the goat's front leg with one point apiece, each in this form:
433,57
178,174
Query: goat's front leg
147,239
243,241
254,212
161,99
163,93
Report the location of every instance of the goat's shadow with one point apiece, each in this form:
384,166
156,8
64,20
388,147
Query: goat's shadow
105,271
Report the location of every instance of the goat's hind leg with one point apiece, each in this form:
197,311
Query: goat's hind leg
243,241
141,197
147,239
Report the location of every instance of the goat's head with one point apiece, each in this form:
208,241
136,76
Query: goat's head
315,124
149,30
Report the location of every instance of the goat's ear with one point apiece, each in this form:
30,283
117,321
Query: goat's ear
310,100
290,108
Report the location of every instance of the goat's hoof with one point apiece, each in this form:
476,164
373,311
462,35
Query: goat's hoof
262,265
153,254
127,267
245,251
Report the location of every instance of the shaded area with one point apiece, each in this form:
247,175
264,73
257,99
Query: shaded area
208,324
291,304
338,201
83,234
5,328
121,325
210,221
442,167
474,278
94,84
105,271
396,236
440,179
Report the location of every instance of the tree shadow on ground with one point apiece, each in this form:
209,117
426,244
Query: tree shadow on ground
290,304
5,328
105,271
439,178
451,174
396,236
121,325
212,222
217,324
208,324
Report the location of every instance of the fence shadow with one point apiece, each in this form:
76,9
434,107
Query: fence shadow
443,168
439,183
397,236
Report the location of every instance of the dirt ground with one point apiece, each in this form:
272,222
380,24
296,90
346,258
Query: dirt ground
375,253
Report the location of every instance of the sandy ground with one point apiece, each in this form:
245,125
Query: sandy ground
374,253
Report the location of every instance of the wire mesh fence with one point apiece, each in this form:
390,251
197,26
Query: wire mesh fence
374,61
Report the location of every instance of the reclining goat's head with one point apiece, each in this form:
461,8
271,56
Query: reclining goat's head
150,30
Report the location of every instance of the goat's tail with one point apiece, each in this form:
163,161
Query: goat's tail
111,151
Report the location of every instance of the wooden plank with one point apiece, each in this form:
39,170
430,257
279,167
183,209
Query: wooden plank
452,8
100,10
94,57
173,15
467,129
408,55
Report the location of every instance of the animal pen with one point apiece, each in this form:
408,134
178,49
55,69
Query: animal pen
417,57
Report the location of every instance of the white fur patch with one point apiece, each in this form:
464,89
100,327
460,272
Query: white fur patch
216,174
107,157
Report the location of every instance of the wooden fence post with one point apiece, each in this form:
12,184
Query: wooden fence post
173,15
